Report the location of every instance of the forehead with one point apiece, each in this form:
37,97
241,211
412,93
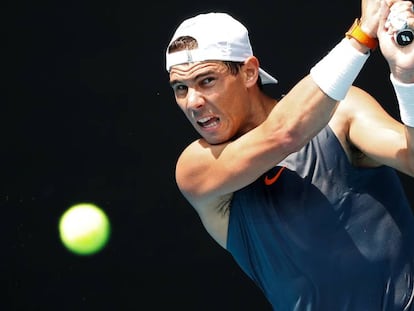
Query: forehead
193,70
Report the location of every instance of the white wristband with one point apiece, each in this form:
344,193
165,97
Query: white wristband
337,71
405,97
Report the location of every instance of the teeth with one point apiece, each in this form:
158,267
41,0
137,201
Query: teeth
208,122
204,119
211,124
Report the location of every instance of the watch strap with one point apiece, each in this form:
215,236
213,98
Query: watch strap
356,32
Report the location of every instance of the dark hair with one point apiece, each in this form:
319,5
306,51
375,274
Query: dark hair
189,43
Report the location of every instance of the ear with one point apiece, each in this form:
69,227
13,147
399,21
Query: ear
251,70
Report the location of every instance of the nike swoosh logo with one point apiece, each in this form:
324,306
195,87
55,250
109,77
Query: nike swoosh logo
269,181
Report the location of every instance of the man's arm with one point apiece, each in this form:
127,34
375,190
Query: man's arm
381,138
205,173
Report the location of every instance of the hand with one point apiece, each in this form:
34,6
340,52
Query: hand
400,58
371,12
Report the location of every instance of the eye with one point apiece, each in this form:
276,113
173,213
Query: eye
180,89
207,81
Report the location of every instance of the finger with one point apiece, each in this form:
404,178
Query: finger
384,13
407,6
390,3
399,6
399,17
410,22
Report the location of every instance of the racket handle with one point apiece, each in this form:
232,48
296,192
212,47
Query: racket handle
404,36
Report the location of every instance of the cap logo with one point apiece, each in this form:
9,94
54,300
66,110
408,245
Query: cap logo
189,56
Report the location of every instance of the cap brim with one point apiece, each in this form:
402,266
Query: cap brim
267,78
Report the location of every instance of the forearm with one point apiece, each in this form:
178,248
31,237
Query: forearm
301,114
315,97
337,71
405,96
308,107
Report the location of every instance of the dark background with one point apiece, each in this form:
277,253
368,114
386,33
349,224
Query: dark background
89,117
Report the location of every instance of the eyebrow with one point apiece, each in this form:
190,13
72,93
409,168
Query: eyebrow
201,75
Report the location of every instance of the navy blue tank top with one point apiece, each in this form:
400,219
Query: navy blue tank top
325,235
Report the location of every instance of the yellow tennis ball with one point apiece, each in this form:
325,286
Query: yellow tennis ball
84,229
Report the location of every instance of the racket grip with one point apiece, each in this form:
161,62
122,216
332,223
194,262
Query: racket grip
404,36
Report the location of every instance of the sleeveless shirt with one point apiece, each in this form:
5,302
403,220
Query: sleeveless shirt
326,236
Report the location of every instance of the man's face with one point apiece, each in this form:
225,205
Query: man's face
214,100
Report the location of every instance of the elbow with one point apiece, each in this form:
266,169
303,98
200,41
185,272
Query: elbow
291,139
296,137
289,136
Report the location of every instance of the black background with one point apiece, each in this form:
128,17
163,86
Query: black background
89,117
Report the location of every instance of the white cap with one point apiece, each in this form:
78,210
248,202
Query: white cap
219,37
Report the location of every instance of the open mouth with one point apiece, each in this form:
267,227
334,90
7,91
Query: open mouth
208,122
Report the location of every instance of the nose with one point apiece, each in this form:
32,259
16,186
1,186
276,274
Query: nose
194,99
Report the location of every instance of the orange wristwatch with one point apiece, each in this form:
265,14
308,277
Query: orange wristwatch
356,32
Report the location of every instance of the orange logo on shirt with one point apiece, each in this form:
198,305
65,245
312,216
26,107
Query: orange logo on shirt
269,181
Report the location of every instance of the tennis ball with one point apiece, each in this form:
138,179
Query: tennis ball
84,229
